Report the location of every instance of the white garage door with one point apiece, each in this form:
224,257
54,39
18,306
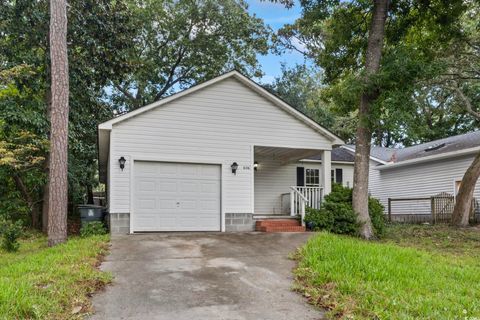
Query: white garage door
176,197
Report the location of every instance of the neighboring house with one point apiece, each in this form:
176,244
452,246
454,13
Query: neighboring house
421,171
215,157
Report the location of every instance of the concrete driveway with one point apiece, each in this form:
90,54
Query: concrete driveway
202,276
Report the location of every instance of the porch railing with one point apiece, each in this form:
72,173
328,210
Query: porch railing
302,197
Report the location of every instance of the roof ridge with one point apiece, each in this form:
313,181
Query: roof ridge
437,141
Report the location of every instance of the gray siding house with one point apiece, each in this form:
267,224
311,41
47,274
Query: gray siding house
421,171
215,157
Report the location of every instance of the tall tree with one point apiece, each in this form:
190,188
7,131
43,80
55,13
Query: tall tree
97,31
58,179
373,56
375,53
459,78
464,81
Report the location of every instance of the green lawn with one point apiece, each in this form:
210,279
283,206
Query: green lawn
38,282
417,272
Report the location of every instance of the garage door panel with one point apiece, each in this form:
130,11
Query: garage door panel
176,197
209,187
188,187
167,204
209,205
167,185
146,186
147,204
189,205
166,169
187,171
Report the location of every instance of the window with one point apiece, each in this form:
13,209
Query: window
339,176
312,177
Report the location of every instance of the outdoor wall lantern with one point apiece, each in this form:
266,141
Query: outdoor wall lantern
122,162
234,167
255,166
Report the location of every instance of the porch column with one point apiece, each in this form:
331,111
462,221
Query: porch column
326,172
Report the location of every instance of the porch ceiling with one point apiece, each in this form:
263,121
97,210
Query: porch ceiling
284,154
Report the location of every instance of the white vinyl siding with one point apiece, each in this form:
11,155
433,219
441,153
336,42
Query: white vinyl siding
273,179
418,180
217,124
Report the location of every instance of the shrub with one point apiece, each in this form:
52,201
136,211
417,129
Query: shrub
10,232
336,214
375,210
93,229
318,219
333,217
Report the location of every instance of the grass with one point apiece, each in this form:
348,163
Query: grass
417,272
38,282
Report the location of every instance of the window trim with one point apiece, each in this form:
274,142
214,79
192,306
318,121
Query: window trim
315,176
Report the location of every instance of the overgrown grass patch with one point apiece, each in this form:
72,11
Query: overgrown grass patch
38,282
440,238
357,279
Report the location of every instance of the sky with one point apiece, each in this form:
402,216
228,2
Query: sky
275,15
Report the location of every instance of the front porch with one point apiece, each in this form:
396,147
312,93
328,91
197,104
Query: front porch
286,181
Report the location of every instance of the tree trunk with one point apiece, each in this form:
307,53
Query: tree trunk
32,204
89,194
461,211
58,183
46,195
46,168
364,133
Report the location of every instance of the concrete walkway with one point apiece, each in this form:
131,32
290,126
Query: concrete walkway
180,276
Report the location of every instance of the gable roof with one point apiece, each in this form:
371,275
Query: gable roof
246,81
103,137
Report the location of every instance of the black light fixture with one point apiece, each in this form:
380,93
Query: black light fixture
255,166
122,162
234,167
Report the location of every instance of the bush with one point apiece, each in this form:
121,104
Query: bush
94,228
336,214
10,233
375,210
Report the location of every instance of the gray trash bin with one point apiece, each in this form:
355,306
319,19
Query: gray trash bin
90,213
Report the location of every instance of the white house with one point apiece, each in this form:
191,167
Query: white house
215,157
421,171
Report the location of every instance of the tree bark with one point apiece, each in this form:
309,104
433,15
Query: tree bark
464,198
58,183
46,195
46,168
364,133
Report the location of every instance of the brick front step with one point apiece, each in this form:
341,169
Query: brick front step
285,222
279,226
282,229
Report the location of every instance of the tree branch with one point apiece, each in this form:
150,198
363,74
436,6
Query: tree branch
125,92
170,82
468,104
